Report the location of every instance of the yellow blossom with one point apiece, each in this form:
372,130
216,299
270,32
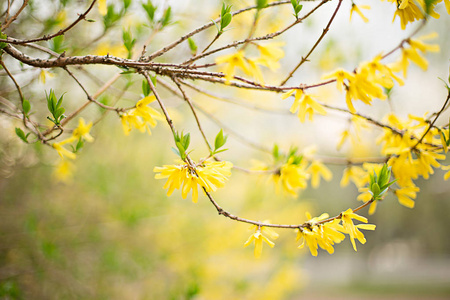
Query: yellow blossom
291,177
353,230
44,75
142,117
64,171
207,175
323,235
355,174
406,194
102,8
304,104
356,8
106,48
270,55
412,10
446,175
82,131
233,61
412,54
317,170
258,237
340,75
63,152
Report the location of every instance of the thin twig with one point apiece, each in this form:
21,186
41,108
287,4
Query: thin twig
305,58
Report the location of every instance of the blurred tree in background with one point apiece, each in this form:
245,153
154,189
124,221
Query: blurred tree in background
274,117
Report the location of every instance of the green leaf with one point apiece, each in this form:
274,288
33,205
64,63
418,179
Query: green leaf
225,21
21,134
375,189
192,45
79,145
150,10
220,140
3,37
26,106
275,152
145,88
297,9
260,4
187,140
167,17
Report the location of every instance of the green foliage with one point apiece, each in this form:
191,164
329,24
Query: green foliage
379,183
192,46
167,17
54,107
10,290
150,9
57,44
21,135
297,7
219,142
260,4
26,106
3,37
128,42
225,18
145,88
182,142
111,17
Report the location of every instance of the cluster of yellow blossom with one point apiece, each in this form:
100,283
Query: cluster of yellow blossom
64,170
413,10
366,82
140,117
318,232
270,54
411,155
208,175
292,176
412,54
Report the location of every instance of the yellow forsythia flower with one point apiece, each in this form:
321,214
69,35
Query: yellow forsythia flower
102,8
82,131
412,54
320,235
317,170
142,117
304,104
270,55
258,237
64,171
233,61
63,152
207,175
356,8
353,230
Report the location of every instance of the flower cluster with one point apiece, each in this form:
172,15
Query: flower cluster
208,175
270,54
324,233
366,82
142,117
410,158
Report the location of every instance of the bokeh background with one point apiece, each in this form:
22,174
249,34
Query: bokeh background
112,233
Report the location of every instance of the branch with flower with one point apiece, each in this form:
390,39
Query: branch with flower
410,148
